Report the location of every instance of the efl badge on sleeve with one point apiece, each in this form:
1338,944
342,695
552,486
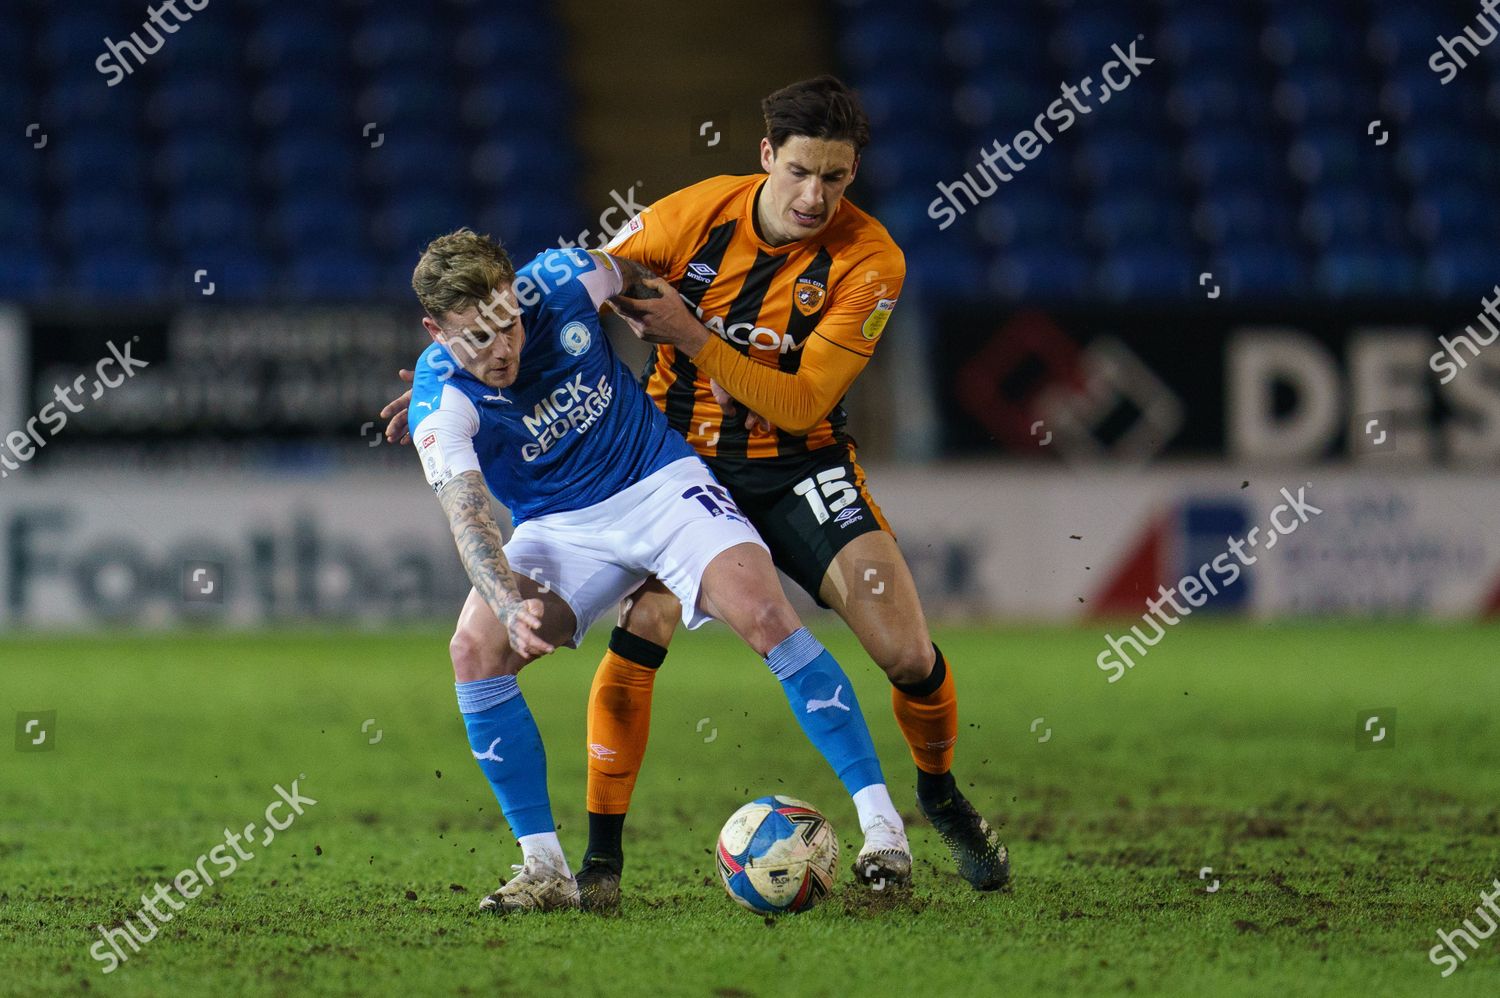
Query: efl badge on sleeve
875,324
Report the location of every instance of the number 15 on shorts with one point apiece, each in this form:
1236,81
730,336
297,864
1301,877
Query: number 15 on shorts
716,500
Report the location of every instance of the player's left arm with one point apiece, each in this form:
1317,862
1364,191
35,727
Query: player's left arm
833,355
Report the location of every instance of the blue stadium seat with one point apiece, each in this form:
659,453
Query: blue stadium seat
196,102
1354,214
1214,36
406,39
209,221
1249,215
26,274
1440,155
311,222
1149,272
1368,273
195,160
1042,273
1085,36
1449,213
92,161
336,276
1230,157
1107,160
306,100
1315,94
415,159
289,38
90,220
1029,221
881,42
113,275
409,225
1210,96
1461,269
516,39
398,102
511,102
312,162
238,275
1132,218
21,222
1260,270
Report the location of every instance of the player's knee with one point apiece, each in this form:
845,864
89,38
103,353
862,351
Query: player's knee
769,622
475,659
905,659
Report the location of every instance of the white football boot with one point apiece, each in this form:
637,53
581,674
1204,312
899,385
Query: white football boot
885,861
537,886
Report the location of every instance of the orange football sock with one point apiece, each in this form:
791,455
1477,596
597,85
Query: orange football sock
620,719
927,712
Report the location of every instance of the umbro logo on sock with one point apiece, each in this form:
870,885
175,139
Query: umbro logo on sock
832,701
601,752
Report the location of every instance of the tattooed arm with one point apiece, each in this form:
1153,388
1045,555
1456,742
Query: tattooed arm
466,500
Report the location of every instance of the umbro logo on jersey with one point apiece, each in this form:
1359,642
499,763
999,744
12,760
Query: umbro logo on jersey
702,272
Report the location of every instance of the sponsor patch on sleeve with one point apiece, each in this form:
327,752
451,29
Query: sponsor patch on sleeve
625,231
433,465
875,324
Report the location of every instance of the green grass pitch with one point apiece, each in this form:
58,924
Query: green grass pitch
1228,747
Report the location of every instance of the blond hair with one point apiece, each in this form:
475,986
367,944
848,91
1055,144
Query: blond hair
460,270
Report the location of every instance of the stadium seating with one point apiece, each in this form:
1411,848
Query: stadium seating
1245,149
241,146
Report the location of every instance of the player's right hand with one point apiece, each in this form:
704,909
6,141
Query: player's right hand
524,623
395,411
754,421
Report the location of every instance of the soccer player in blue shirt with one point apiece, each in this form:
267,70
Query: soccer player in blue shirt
521,396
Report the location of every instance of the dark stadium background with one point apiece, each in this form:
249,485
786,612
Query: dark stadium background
1235,269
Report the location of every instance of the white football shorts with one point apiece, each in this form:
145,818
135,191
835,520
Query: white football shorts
670,524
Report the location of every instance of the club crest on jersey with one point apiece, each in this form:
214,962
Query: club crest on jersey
808,295
575,338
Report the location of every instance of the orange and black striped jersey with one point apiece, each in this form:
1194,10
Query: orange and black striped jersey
810,313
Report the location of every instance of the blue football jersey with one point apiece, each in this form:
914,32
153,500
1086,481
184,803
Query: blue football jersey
573,429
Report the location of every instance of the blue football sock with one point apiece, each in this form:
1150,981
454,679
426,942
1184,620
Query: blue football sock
508,748
823,700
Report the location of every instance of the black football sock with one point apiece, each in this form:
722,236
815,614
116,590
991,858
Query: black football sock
934,788
605,834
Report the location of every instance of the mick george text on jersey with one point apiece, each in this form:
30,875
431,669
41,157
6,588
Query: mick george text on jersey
572,406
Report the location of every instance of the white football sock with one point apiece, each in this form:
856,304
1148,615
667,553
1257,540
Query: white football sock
545,848
874,802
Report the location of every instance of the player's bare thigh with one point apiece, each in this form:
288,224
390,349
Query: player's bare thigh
741,588
480,647
870,586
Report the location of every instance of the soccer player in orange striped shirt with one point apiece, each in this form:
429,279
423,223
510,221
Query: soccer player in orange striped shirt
776,293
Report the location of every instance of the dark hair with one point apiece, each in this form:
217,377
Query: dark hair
821,108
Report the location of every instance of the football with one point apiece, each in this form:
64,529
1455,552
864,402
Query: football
777,854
